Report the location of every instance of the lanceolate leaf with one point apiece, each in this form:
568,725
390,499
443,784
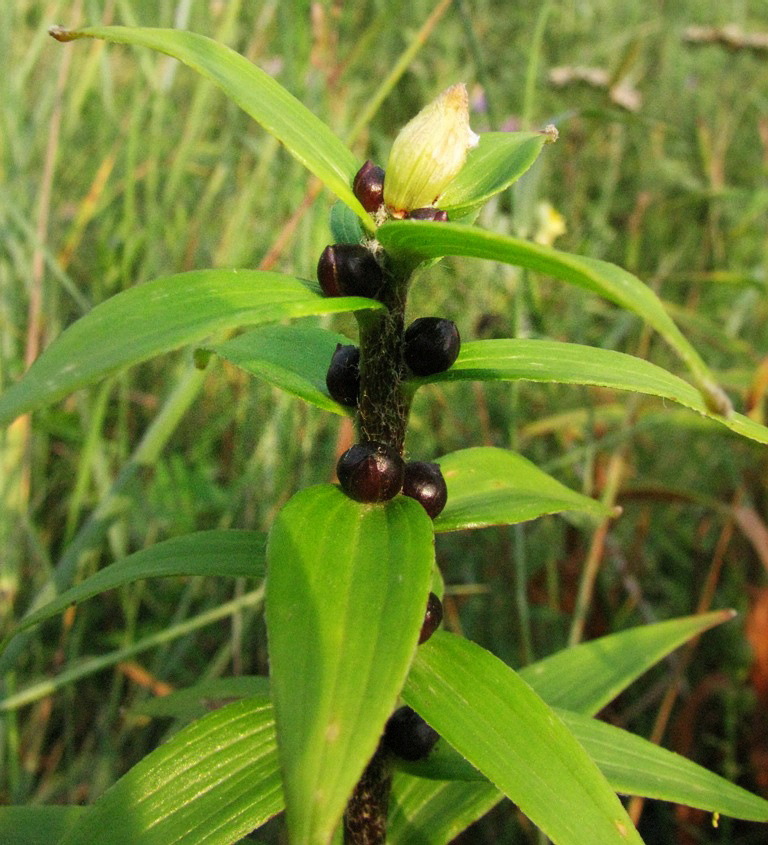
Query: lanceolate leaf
431,812
634,766
347,584
293,358
304,135
499,160
585,678
433,240
490,486
494,719
211,784
345,225
631,764
195,701
157,317
571,363
228,553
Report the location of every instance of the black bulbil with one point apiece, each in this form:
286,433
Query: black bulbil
431,345
408,736
349,270
343,376
370,472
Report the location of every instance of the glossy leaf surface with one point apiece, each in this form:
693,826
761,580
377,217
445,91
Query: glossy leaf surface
293,358
490,486
433,240
496,721
347,584
212,783
227,553
302,133
571,363
499,160
157,317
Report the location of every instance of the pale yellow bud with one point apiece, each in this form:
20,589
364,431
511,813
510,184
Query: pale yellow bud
429,151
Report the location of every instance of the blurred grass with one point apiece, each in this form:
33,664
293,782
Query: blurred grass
117,166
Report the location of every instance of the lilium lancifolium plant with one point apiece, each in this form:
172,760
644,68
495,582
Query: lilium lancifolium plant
373,724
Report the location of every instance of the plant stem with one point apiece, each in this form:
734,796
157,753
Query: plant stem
383,406
382,417
365,820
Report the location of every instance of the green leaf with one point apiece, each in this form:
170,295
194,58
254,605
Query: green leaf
347,584
422,240
345,225
583,678
571,363
429,812
212,783
293,358
302,133
490,486
586,677
495,720
499,160
160,316
635,766
36,825
197,700
227,553
631,764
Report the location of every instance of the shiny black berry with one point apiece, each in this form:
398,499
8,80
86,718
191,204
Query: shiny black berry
436,215
370,472
368,186
408,736
425,483
349,270
343,376
431,345
432,618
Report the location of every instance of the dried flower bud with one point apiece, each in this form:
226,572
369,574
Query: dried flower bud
429,151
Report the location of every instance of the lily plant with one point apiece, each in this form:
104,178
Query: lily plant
352,592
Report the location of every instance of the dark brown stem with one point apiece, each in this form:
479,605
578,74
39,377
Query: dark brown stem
383,406
365,819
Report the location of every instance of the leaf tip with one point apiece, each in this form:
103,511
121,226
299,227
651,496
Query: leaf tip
61,33
550,133
716,399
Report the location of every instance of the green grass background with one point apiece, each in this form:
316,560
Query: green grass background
118,165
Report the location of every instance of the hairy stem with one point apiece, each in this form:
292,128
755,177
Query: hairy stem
383,406
365,820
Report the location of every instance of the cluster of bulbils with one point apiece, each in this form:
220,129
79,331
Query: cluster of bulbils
376,472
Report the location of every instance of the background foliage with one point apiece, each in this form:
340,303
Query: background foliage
119,166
